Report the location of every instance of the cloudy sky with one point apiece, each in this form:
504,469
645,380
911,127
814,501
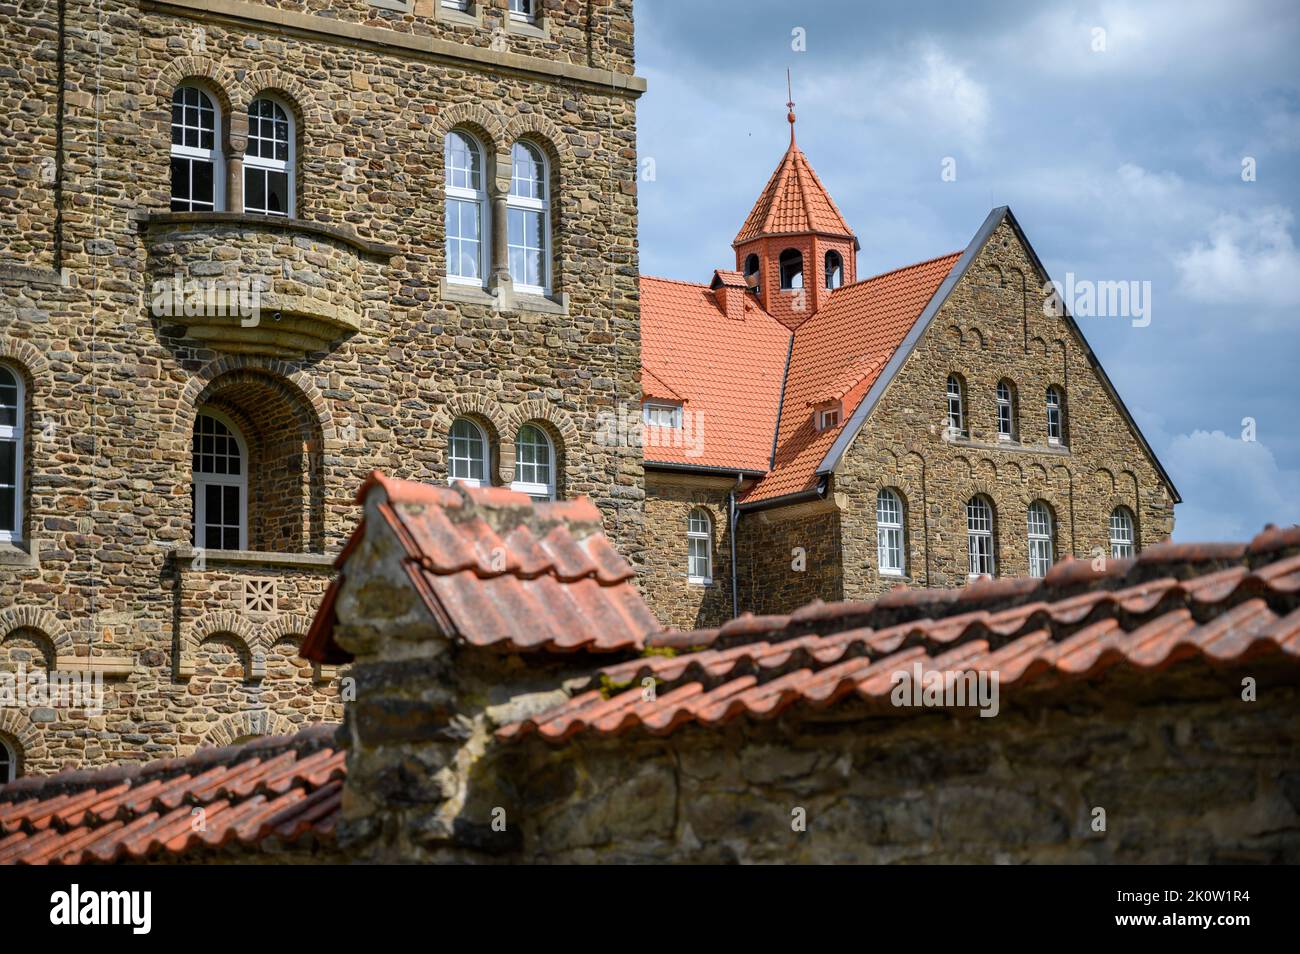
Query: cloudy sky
1122,164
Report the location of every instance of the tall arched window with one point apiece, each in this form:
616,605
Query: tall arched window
956,407
466,209
220,466
979,537
791,262
699,546
197,168
467,453
269,159
1055,419
752,270
529,220
1041,548
834,270
534,463
12,416
889,532
1006,411
8,762
1121,533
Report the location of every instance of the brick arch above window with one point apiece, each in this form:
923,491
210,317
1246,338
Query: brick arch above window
215,375
16,618
557,424
481,121
243,724
204,71
542,132
23,735
213,625
487,414
307,110
28,359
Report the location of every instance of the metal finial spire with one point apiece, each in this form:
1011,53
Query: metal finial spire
789,96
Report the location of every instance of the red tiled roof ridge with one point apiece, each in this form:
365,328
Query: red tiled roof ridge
900,268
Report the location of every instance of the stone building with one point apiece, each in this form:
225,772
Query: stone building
529,709
814,434
251,251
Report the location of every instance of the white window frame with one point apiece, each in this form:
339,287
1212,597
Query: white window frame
286,166
15,435
536,490
828,418
452,457
699,535
891,555
460,6
980,549
477,197
9,763
651,410
956,392
534,206
1122,533
1041,530
1006,411
1054,415
829,271
524,11
215,155
203,480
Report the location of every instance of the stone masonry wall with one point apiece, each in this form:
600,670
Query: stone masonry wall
790,556
669,500
112,391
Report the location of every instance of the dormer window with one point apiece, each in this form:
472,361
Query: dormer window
828,417
660,414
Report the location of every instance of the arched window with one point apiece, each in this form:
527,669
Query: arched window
12,416
834,270
8,762
752,270
197,168
466,210
889,532
699,546
1121,533
1041,547
791,268
1055,418
467,453
956,407
1006,411
269,159
534,463
529,220
220,496
979,537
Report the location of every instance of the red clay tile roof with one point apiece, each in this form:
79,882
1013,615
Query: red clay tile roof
794,200
496,569
730,372
1224,603
653,386
858,329
281,788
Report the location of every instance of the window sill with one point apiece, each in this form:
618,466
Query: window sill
504,298
254,558
457,17
698,581
894,574
20,553
1057,450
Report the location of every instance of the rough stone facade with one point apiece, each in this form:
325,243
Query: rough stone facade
362,356
670,498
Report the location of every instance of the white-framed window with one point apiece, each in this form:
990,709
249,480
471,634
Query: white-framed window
460,6
1054,428
467,219
889,533
524,11
699,546
269,159
529,220
12,415
1121,533
534,463
956,407
656,414
979,537
467,451
198,170
830,417
220,495
791,263
1006,412
1042,551
8,762
834,270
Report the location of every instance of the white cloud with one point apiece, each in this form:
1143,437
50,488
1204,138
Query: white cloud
1231,488
1246,260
